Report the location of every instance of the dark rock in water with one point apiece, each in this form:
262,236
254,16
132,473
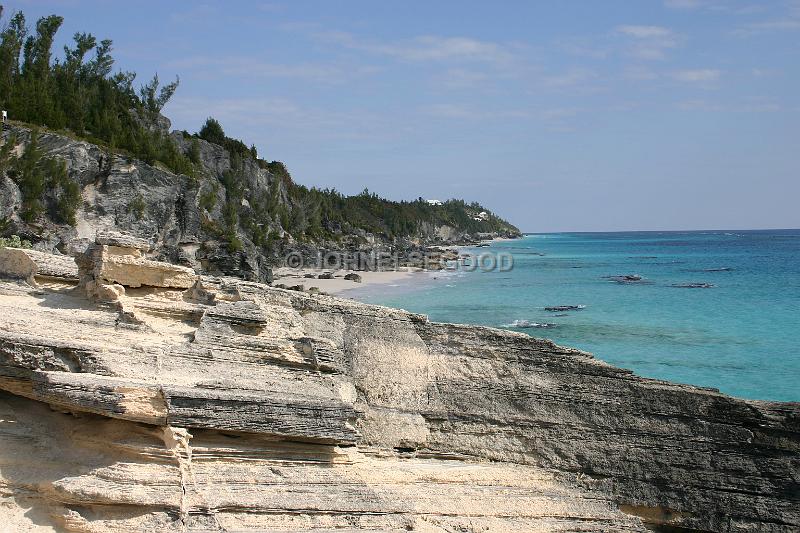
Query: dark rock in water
699,285
353,277
299,288
325,275
309,276
720,269
561,308
626,278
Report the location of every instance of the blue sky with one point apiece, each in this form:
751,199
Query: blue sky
568,115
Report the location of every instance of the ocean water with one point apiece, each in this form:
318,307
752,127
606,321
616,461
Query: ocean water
740,334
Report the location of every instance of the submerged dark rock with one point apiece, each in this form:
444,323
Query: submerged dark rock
562,308
697,285
626,278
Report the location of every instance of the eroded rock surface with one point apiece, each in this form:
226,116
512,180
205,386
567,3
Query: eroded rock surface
233,406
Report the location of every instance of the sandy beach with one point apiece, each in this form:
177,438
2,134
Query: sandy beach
338,285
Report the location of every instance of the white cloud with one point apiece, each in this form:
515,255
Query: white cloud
683,4
640,73
213,67
645,32
705,75
249,118
459,78
464,111
789,20
745,107
572,77
426,48
560,113
649,42
765,72
698,105
774,25
451,111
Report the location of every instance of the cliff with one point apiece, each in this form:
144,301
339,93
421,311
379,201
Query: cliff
133,401
235,215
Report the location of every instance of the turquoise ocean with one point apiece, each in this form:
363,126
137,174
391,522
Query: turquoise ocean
711,308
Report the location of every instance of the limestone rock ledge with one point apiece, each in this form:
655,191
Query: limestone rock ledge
233,406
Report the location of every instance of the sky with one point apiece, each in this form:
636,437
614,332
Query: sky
559,116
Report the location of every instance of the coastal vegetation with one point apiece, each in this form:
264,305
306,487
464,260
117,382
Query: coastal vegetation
78,95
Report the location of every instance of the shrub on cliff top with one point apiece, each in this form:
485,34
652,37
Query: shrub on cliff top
79,94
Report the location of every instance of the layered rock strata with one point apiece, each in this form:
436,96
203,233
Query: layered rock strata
225,405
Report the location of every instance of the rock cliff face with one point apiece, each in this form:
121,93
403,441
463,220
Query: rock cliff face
182,217
141,199
233,406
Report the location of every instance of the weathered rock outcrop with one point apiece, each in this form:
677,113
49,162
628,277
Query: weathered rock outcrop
194,220
116,261
144,200
233,406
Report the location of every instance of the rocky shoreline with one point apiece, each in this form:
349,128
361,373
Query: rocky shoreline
138,395
183,215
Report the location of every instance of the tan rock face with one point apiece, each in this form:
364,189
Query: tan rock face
116,261
15,263
127,267
232,406
133,271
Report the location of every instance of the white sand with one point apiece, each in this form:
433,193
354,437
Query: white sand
337,285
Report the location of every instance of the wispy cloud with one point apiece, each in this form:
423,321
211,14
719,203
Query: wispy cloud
649,42
461,78
782,24
426,48
788,20
254,116
470,112
572,77
704,76
640,73
763,73
684,4
249,67
746,107
557,119
645,32
721,6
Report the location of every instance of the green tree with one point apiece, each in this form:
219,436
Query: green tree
29,175
153,99
212,132
11,41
